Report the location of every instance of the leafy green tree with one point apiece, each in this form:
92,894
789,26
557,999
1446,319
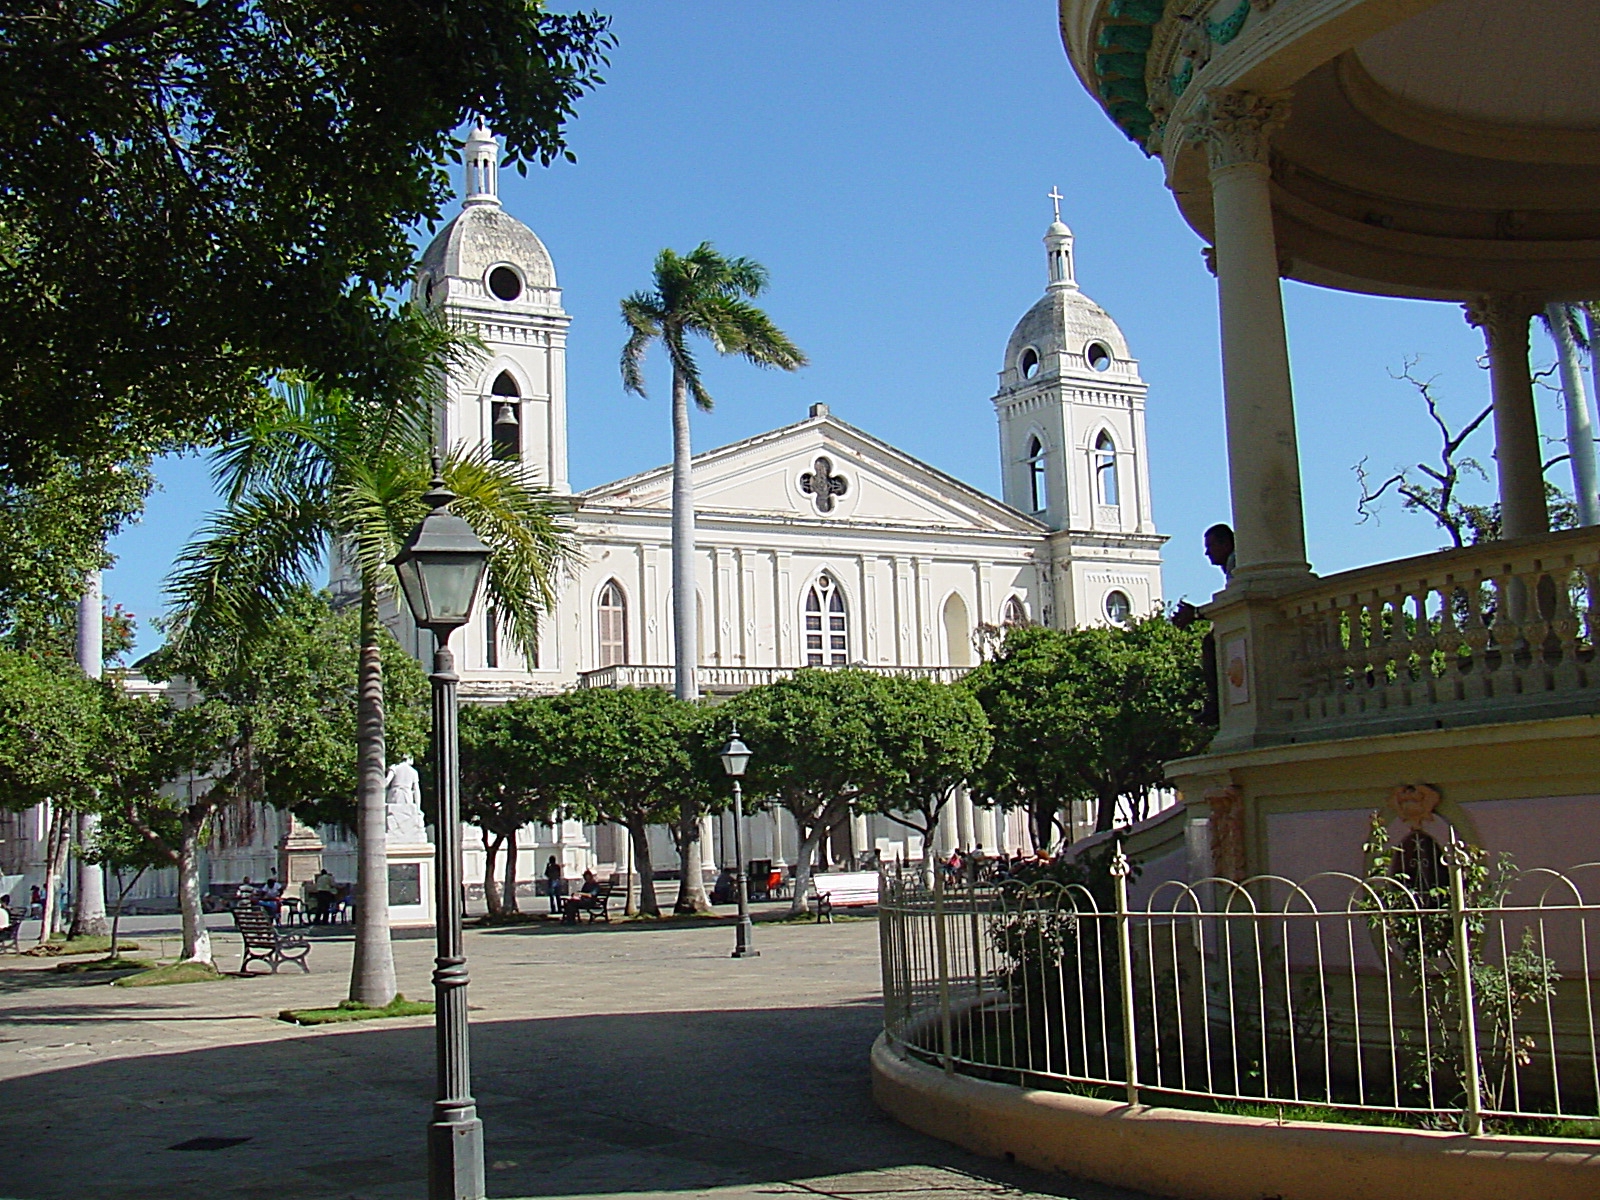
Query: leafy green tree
514,767
116,846
50,726
1088,713
329,471
266,720
816,747
707,294
197,196
638,758
935,739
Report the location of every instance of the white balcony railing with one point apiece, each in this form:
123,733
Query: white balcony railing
721,680
1497,632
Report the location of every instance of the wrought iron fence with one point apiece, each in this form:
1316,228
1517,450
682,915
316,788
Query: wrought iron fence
1457,993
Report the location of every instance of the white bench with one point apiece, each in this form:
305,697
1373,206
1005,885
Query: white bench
844,889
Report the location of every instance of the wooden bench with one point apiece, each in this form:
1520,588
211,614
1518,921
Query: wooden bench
596,904
844,889
265,942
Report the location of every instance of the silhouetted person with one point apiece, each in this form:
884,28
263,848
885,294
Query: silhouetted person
1219,552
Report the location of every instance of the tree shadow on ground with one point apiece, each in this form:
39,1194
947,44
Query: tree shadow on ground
775,1100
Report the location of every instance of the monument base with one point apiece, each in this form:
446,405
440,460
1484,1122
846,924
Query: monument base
411,889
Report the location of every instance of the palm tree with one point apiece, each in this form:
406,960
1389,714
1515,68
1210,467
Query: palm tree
326,472
1561,322
697,293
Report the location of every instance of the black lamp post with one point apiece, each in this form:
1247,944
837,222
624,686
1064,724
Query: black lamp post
735,757
441,568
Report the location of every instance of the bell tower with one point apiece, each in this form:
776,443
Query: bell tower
1073,454
490,273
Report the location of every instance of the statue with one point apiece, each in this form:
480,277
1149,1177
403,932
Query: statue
403,821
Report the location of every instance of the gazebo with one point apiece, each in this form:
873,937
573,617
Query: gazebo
1442,150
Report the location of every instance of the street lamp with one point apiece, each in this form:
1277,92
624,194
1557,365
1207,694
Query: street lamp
441,569
735,757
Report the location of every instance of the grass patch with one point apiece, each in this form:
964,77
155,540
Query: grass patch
180,972
354,1010
61,944
492,920
105,964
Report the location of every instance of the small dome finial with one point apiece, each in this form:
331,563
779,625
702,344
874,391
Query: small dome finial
1058,247
482,160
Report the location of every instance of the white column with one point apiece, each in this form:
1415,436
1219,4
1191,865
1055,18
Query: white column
91,900
984,832
962,803
1263,458
860,836
1518,453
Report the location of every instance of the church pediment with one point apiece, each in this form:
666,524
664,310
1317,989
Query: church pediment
821,470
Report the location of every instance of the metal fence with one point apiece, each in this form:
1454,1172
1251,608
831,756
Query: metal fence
1458,992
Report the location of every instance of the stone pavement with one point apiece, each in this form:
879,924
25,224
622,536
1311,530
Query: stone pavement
619,1062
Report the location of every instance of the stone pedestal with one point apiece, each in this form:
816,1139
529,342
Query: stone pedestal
299,856
411,886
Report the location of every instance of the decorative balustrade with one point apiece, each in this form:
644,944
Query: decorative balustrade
736,679
1496,632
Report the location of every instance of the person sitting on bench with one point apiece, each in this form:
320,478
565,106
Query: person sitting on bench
571,906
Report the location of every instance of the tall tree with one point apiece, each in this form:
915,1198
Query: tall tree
935,739
196,196
707,294
1561,320
325,469
1089,713
267,719
816,747
514,771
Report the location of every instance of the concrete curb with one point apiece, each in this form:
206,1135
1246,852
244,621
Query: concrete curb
1211,1156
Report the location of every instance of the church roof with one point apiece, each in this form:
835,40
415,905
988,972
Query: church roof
481,236
765,476
1065,319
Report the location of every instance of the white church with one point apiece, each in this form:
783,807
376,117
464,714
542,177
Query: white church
818,544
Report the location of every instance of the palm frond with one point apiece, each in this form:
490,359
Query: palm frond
530,544
244,563
739,327
684,364
642,316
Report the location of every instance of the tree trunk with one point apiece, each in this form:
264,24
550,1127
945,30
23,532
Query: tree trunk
372,980
116,917
639,837
491,885
1105,814
508,894
1042,819
686,654
89,915
1580,431
692,896
810,838
196,937
55,858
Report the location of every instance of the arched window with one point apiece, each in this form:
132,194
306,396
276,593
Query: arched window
1014,613
1118,607
611,624
957,631
827,627
1105,468
506,433
1038,491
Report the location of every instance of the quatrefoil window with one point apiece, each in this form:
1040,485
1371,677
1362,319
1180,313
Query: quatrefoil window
822,485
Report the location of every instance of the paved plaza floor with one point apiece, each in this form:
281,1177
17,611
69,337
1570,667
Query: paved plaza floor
627,1061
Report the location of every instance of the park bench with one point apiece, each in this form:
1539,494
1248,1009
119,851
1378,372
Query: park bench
265,942
596,904
10,935
844,889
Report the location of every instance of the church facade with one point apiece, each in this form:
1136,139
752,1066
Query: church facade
818,544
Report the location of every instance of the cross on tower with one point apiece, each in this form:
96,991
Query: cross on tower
823,484
1056,197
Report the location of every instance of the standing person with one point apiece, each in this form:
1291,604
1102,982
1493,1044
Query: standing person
323,891
1219,553
557,886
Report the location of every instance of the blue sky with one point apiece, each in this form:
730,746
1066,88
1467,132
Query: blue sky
888,163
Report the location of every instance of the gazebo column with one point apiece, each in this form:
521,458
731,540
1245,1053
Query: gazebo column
1263,455
1518,455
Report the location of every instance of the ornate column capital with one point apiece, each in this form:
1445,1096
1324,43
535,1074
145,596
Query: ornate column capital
1237,126
1498,312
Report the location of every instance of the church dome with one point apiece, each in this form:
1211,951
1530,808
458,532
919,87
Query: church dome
486,253
1065,332
481,237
